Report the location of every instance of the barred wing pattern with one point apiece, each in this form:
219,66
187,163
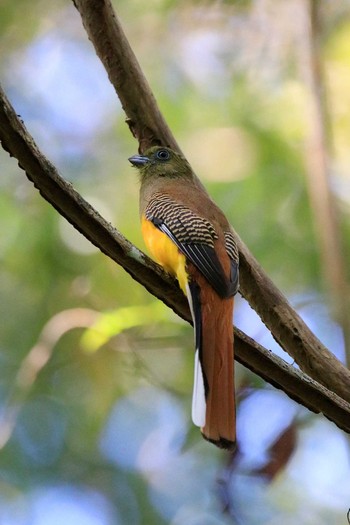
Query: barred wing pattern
194,236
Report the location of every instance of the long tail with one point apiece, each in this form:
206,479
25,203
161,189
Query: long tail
213,406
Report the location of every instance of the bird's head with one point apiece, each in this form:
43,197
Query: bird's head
161,162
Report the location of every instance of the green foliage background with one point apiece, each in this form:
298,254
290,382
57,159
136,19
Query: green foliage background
103,435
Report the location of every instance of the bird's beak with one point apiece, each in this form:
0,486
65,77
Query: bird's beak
138,160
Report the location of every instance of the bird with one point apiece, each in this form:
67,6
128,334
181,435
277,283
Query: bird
190,237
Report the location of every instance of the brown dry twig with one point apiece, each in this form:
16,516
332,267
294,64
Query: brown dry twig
35,360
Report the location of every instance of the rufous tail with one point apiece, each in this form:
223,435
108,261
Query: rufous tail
213,405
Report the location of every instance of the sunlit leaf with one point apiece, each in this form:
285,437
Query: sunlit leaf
112,323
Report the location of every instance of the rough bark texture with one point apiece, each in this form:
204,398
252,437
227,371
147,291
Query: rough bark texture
112,47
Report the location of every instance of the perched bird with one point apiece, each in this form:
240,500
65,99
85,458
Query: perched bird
191,238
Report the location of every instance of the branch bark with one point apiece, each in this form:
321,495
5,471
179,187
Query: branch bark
148,126
145,121
61,195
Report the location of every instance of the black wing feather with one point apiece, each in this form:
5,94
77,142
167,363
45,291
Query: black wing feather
194,236
205,259
234,277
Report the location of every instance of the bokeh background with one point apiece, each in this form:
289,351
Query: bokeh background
96,374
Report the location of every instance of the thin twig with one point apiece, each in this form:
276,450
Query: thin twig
35,360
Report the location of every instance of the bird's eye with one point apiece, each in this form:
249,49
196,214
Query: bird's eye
163,154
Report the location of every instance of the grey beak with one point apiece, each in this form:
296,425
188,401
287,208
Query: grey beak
138,160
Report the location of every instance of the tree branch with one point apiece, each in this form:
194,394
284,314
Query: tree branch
18,143
106,33
148,126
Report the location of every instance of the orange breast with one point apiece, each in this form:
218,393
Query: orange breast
165,252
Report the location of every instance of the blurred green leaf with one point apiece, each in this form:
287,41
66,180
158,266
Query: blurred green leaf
114,322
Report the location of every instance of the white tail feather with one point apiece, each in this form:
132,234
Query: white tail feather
198,396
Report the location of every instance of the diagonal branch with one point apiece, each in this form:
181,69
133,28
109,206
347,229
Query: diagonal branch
144,117
18,143
148,126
